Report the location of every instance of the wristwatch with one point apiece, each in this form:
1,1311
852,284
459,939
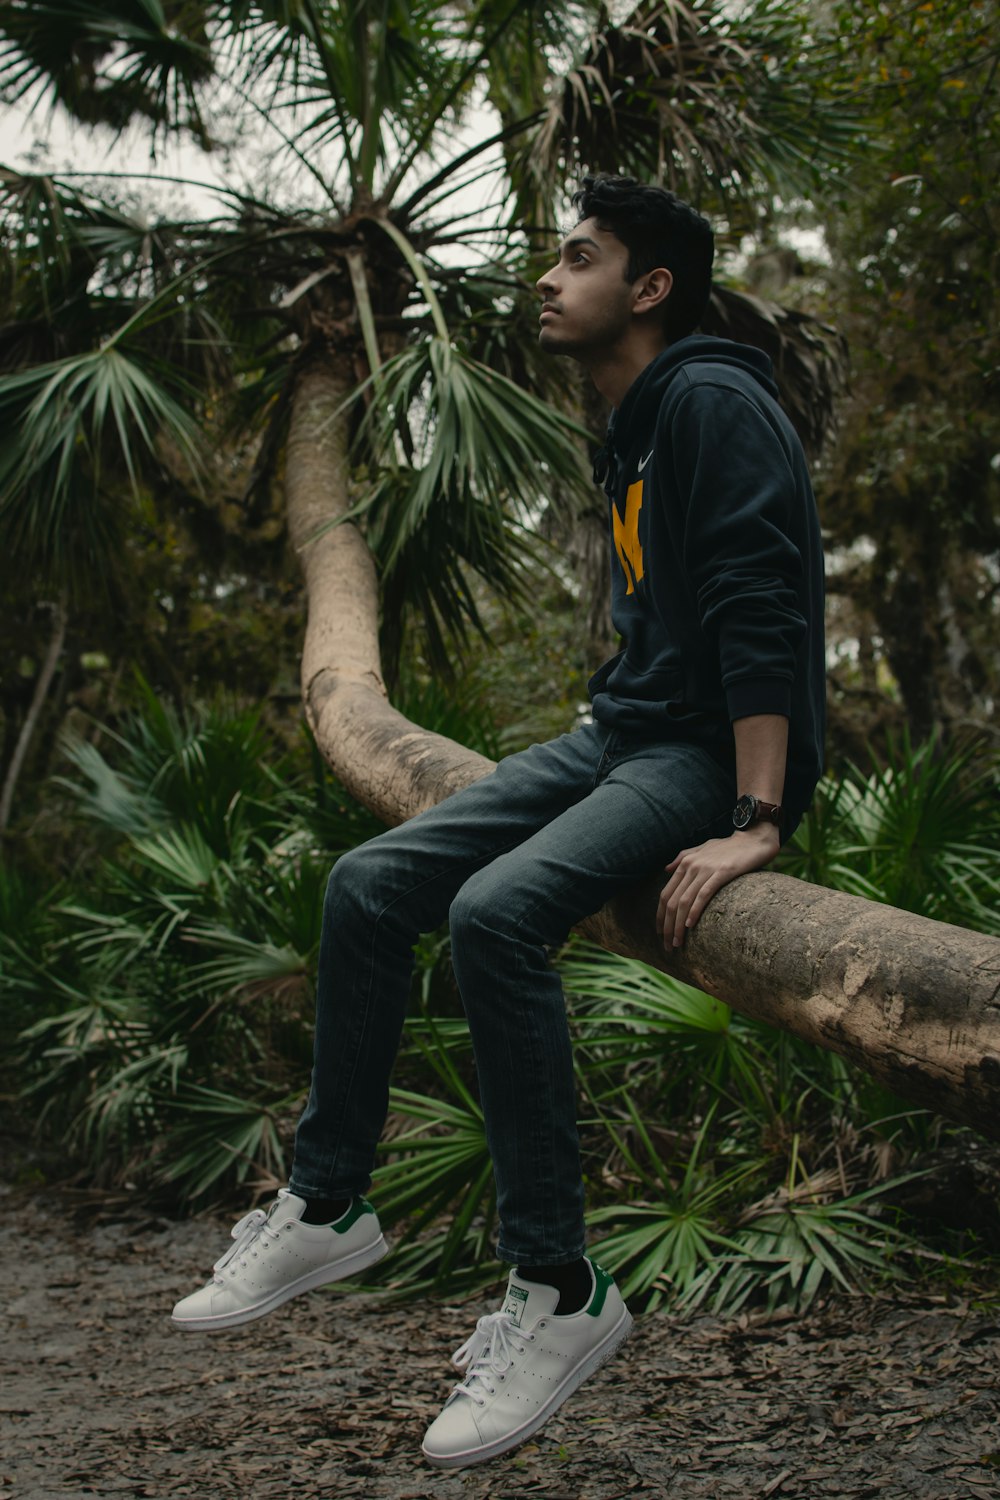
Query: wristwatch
750,810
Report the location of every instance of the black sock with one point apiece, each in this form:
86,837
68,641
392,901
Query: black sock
324,1210
573,1283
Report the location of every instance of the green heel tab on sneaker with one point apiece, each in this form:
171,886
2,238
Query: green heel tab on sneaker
358,1207
602,1282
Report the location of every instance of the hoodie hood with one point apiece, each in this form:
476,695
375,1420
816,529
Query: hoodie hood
644,396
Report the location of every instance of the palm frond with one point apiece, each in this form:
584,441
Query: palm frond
795,1243
626,1014
488,444
108,63
668,1236
920,831
809,357
490,457
204,766
219,1135
690,96
112,405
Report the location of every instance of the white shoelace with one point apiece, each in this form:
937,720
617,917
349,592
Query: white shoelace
488,1354
245,1232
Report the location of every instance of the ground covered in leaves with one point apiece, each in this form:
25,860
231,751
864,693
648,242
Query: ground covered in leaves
100,1396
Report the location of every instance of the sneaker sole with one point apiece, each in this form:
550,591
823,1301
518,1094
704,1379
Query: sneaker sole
606,1350
336,1271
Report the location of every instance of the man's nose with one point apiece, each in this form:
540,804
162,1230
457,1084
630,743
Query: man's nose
546,284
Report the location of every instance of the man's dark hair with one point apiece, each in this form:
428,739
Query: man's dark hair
658,229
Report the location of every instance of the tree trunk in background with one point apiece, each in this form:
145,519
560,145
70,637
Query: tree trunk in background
38,697
913,1002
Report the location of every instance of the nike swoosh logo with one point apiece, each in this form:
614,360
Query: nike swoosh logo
644,461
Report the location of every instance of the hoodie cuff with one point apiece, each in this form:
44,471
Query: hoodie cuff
759,695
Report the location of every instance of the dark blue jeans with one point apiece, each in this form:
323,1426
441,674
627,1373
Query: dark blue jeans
513,861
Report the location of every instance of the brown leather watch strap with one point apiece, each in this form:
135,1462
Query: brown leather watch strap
750,810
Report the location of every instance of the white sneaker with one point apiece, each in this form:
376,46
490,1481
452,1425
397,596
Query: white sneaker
521,1363
276,1257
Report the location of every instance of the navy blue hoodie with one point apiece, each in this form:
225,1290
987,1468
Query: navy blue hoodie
717,562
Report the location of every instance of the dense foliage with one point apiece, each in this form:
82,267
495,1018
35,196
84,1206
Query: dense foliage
911,493
158,1007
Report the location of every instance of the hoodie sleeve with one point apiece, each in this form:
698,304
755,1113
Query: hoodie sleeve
737,495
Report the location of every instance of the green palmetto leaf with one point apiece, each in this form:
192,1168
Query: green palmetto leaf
488,445
124,1105
667,1237
319,814
626,1013
363,77
393,59
921,832
89,1020
933,825
483,33
204,766
491,456
119,940
104,388
107,403
245,963
278,908
50,263
439,1165
66,1057
786,1256
220,1135
825,848
630,991
180,854
659,1248
109,797
434,705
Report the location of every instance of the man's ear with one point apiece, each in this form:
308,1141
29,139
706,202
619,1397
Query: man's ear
652,290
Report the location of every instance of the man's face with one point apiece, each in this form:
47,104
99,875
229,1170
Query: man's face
586,301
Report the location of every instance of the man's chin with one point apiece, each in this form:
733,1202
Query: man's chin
550,341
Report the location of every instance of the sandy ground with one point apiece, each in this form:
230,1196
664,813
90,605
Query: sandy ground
330,1397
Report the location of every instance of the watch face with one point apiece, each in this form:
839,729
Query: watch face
745,811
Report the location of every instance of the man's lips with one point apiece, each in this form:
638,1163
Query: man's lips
548,312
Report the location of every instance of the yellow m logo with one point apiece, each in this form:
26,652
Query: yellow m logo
626,533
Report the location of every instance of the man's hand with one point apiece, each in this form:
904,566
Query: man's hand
696,874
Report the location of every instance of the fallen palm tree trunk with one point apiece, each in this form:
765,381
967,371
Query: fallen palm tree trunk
915,1003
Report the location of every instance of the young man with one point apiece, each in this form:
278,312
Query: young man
705,747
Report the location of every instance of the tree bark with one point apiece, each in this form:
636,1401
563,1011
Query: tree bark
915,1003
389,764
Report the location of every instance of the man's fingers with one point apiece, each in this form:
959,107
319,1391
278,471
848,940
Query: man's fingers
688,891
697,874
675,903
687,910
704,895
